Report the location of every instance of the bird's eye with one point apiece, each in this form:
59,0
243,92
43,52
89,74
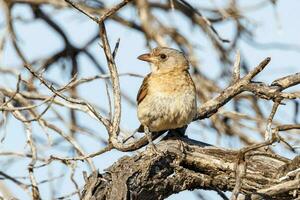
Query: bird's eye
163,56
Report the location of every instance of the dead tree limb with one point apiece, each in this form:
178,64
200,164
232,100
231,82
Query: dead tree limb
188,165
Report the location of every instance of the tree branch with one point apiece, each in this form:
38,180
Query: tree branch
186,165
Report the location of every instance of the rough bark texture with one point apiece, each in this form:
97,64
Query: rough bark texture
184,164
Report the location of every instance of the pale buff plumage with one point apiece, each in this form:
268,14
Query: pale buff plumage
167,97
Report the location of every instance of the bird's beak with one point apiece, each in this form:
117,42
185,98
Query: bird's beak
146,57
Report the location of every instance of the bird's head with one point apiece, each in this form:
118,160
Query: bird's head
163,59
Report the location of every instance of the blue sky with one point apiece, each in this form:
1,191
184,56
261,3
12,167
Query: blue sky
39,41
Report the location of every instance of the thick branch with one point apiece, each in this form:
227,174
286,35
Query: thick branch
188,165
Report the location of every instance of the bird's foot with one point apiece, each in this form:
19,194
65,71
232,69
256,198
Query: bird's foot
153,150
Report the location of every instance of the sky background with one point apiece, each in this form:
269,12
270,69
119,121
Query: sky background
37,41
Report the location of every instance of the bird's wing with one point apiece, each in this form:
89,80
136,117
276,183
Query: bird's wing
143,90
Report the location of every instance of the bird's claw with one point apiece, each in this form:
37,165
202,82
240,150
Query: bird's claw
152,149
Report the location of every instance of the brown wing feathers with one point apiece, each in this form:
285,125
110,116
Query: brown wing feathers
143,90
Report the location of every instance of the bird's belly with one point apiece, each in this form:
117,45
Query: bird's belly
167,111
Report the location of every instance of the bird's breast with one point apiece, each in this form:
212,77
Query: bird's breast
170,103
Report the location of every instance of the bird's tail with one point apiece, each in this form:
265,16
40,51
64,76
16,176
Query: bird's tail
140,129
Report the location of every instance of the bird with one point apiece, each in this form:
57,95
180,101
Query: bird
166,99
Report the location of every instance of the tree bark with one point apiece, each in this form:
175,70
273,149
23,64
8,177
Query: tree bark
185,164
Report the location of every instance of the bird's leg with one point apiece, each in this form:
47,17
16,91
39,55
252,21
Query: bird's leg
149,137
